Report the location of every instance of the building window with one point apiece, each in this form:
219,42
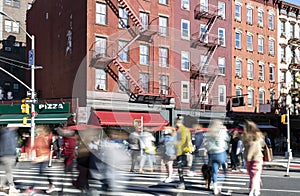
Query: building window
249,15
238,12
238,40
123,18
164,2
16,87
250,97
203,93
261,97
164,84
272,47
222,65
185,60
261,71
163,57
261,45
283,53
100,46
11,26
249,42
144,79
282,28
203,36
204,5
292,30
185,91
221,36
272,96
100,79
123,83
203,62
13,3
185,4
250,70
144,17
271,21
185,29
222,94
144,54
163,26
238,91
124,55
101,13
260,18
238,68
272,73
222,9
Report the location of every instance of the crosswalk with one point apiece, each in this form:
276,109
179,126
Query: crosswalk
130,184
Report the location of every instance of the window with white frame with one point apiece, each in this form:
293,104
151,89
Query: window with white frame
292,30
272,47
203,61
101,46
185,4
260,17
238,67
222,94
204,5
261,71
222,65
249,42
144,17
238,40
249,15
164,2
123,83
260,44
13,3
272,96
163,26
271,21
221,36
11,26
203,36
272,73
250,69
283,53
185,60
144,54
250,97
282,28
100,79
222,9
261,97
238,12
238,91
185,91
185,29
164,84
144,80
203,93
123,18
101,13
163,57
124,55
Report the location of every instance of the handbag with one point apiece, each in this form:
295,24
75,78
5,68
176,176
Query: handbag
267,154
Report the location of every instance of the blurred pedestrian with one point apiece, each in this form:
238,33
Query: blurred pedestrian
199,152
168,152
8,145
134,145
216,143
41,146
254,142
233,152
148,150
183,146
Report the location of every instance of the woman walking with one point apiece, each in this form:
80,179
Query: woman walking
216,143
253,141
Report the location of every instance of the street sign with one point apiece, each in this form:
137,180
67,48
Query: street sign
31,57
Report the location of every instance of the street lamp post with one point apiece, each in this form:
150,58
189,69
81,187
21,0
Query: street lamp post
32,68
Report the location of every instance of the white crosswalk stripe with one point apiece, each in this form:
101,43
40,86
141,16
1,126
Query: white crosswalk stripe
134,183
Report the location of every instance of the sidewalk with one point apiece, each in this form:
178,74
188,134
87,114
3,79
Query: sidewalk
281,161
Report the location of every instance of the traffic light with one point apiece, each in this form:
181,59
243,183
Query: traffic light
284,119
25,107
25,120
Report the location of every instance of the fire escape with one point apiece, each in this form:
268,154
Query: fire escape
138,32
204,40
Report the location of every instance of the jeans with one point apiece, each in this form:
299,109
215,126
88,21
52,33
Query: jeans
8,162
134,158
215,160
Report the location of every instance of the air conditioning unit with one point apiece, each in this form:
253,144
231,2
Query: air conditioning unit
163,92
283,59
283,34
238,75
100,87
260,78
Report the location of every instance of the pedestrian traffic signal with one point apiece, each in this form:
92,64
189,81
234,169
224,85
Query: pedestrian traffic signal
25,107
25,120
284,119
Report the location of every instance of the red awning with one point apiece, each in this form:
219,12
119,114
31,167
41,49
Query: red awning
114,118
81,127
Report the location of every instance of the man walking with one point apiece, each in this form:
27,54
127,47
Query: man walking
134,143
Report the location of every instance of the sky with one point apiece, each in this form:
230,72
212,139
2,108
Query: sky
295,2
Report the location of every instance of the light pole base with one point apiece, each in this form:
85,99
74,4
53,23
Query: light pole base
288,155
